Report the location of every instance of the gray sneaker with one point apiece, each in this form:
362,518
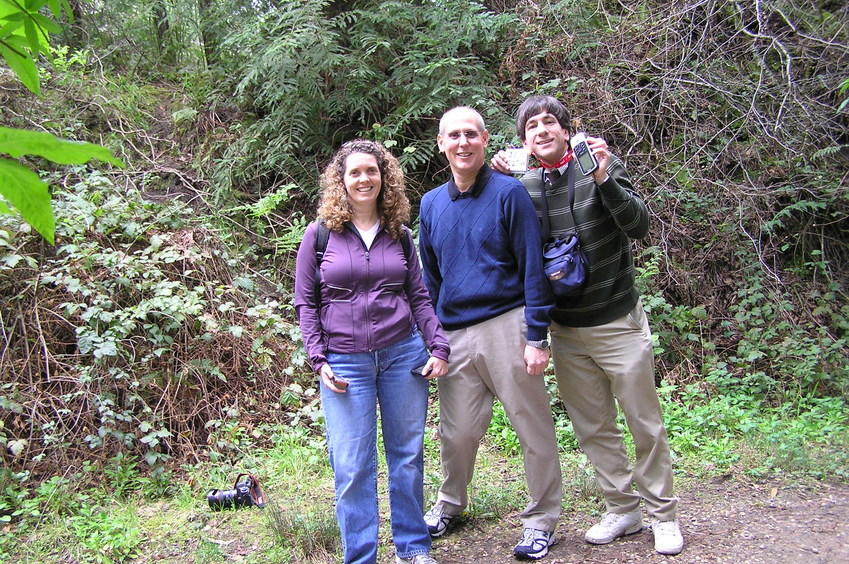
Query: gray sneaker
667,536
437,521
615,525
417,559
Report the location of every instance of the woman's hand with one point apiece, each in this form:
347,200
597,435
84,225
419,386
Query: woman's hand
329,379
434,368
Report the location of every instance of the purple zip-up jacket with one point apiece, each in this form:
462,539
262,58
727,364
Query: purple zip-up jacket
370,298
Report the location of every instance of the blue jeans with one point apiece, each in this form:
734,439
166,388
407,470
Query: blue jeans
381,377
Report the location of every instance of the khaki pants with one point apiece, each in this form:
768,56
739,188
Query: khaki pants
487,362
593,366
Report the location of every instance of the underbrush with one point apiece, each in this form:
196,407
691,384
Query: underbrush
140,335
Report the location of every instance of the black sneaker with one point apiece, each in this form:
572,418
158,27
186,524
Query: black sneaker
437,521
534,544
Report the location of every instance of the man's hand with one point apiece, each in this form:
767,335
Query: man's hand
536,360
499,162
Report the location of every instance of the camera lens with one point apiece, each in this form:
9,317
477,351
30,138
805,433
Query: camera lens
221,499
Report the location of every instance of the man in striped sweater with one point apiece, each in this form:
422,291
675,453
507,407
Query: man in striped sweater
600,337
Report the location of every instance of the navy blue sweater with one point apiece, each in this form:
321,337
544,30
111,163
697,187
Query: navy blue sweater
482,253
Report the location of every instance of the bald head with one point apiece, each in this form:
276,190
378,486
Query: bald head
461,111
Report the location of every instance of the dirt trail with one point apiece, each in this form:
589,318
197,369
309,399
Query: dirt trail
721,521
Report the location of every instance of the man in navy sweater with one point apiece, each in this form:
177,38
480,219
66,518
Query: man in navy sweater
480,245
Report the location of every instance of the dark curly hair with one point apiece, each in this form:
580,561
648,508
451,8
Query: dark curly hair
393,207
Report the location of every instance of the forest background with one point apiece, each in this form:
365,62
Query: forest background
150,351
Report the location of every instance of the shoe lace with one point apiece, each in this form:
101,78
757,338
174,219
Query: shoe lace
664,527
434,513
610,519
530,536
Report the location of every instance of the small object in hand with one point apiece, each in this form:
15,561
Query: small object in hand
339,382
586,160
418,371
517,160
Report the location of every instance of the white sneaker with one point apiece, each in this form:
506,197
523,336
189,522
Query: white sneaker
667,537
615,525
417,559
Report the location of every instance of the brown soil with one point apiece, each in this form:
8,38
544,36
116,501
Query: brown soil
721,522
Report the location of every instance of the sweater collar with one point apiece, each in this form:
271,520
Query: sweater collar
475,189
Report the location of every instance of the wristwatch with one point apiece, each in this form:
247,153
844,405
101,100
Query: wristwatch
539,344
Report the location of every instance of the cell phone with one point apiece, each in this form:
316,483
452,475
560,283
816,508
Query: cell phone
418,371
517,160
339,382
586,160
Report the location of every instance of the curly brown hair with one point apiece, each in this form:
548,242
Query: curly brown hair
393,207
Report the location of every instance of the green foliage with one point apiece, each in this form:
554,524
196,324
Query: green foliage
308,534
283,231
105,536
843,89
21,40
22,187
807,438
91,524
25,34
385,73
164,37
501,431
781,355
153,323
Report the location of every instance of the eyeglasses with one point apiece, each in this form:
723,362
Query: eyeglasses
470,134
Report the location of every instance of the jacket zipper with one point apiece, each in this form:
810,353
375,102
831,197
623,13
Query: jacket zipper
367,285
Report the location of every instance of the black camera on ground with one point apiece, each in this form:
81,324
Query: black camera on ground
245,493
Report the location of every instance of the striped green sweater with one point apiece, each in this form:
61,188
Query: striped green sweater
608,217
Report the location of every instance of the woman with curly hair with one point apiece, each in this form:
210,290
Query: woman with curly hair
361,308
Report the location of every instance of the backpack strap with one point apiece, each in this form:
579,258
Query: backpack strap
406,242
322,235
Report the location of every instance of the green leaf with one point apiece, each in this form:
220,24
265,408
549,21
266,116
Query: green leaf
29,195
32,35
10,28
23,66
36,5
47,25
18,142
